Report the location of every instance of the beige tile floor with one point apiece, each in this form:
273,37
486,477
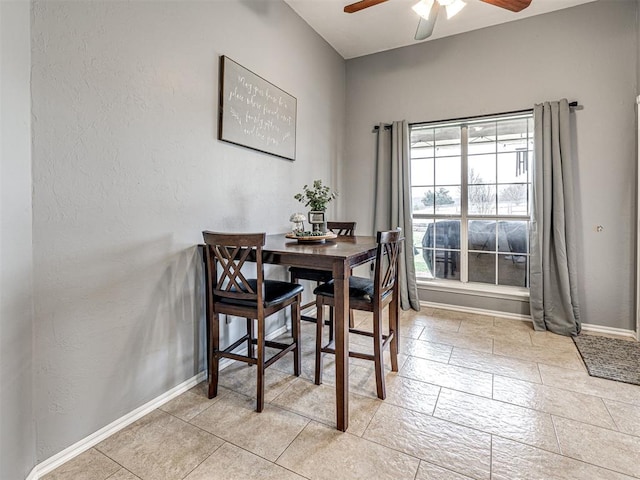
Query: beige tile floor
476,397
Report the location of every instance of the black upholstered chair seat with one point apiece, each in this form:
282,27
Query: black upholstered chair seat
275,292
359,288
310,274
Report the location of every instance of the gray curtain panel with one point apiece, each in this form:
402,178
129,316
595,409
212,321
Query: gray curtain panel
553,278
392,207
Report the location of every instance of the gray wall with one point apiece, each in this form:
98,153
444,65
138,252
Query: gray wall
127,172
17,432
587,53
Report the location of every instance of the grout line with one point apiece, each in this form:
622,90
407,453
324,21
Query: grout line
493,381
540,374
371,420
555,432
435,405
103,453
584,462
491,457
208,456
611,416
415,477
275,462
420,459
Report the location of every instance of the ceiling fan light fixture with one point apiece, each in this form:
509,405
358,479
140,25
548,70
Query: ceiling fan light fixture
423,7
453,7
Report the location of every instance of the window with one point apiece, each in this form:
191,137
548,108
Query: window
471,195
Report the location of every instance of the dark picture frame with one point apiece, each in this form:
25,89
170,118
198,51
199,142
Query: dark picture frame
254,113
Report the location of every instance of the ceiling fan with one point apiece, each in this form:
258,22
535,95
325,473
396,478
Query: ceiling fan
428,10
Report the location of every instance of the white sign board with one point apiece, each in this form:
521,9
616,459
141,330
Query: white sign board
255,113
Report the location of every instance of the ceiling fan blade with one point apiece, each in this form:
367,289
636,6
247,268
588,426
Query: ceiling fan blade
361,5
425,27
513,5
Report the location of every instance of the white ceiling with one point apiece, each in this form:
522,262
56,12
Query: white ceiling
393,24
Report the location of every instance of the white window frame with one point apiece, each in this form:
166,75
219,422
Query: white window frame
463,284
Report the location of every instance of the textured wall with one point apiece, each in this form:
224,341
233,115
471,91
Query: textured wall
17,433
128,172
586,53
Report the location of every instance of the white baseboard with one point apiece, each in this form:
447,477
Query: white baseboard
92,440
478,311
33,474
587,327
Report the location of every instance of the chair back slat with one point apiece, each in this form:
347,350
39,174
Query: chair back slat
231,260
342,229
387,256
226,255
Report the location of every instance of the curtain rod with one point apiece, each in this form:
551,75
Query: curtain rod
387,126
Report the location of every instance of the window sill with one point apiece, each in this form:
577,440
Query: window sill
475,289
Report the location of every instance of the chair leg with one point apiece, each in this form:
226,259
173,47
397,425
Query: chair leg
331,325
214,347
260,365
319,331
393,345
377,353
250,351
295,331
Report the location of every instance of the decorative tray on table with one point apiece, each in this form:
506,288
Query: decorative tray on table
311,237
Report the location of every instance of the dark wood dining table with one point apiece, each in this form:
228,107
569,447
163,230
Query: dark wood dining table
339,256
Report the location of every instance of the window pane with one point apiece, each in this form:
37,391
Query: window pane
482,235
448,234
442,264
421,150
449,150
482,267
482,199
419,229
512,134
498,178
448,171
447,264
447,200
512,270
429,262
420,265
447,141
513,167
513,237
422,200
422,172
422,137
482,138
482,169
428,237
512,199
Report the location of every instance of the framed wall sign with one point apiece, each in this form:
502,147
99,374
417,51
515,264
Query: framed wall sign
255,113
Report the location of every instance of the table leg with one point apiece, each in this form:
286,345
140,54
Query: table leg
341,274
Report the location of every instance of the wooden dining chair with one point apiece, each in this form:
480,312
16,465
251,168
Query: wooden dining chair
231,292
345,229
370,296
